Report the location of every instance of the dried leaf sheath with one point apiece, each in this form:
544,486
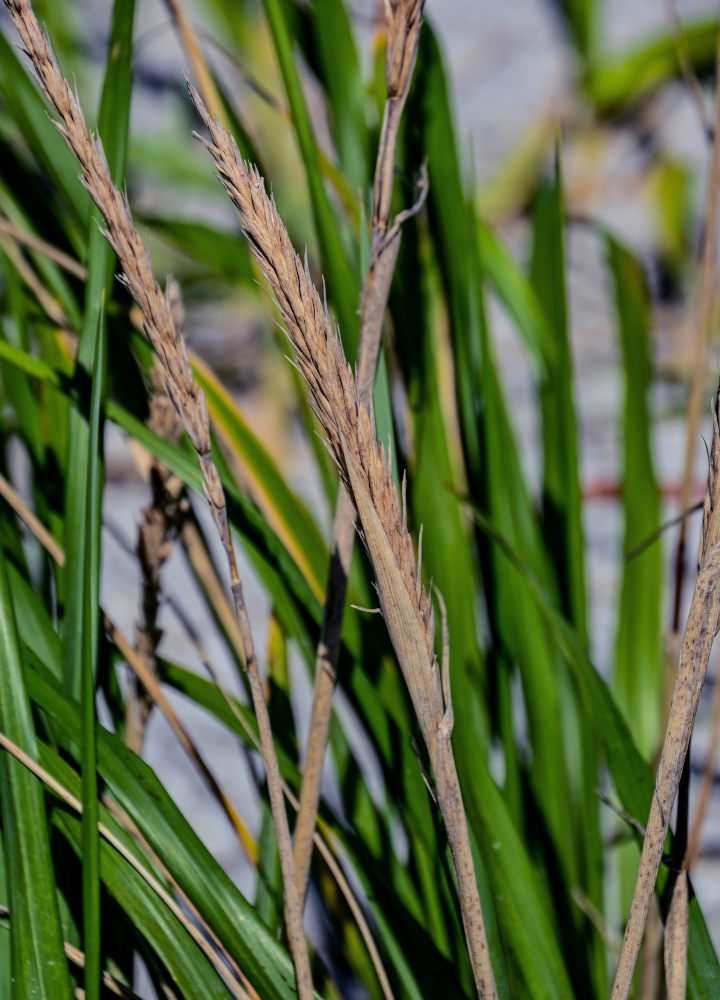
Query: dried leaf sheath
700,630
365,473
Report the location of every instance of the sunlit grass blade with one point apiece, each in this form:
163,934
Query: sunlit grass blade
343,290
639,662
37,960
114,114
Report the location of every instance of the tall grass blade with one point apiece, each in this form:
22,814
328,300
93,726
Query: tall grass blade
639,663
37,961
91,591
342,288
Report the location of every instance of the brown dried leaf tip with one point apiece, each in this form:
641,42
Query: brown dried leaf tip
404,20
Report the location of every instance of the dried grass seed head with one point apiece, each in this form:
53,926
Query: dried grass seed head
319,356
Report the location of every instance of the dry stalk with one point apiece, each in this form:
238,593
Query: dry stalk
162,520
170,348
700,352
404,20
362,462
35,243
196,58
700,629
706,785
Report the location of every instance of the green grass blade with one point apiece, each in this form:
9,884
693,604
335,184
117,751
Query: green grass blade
37,960
518,296
114,115
639,673
562,529
154,924
342,287
562,500
91,593
580,17
338,66
190,972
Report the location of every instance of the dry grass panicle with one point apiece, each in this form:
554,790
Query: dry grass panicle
319,355
169,345
156,306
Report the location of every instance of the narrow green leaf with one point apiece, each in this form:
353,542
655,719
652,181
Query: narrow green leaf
114,116
518,296
562,531
91,624
562,500
342,287
189,970
37,960
639,666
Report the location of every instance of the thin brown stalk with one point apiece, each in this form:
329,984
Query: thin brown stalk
706,785
49,303
404,22
687,69
676,938
134,830
150,683
162,520
33,522
700,629
171,350
33,242
338,402
196,58
700,351
323,848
